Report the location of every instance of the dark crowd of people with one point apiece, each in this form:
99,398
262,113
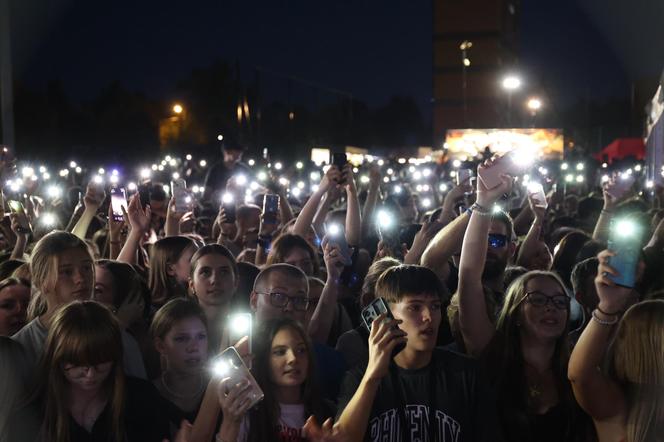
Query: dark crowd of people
382,299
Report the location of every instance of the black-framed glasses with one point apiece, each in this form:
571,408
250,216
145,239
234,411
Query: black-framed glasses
497,240
538,299
281,300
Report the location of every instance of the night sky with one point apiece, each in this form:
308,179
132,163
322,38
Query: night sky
372,49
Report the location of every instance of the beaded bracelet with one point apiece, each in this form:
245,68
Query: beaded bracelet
600,321
618,313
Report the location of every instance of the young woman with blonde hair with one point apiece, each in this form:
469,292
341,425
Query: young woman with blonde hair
83,389
626,399
170,264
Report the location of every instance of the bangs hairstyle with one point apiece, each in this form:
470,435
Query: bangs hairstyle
285,245
163,253
636,362
173,311
399,281
83,333
213,249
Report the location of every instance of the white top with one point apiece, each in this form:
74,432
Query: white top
291,421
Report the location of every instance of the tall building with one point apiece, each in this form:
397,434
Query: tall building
474,45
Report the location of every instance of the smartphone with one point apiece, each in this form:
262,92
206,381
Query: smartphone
339,159
463,175
536,192
182,196
228,203
144,195
270,208
266,155
506,164
337,235
16,206
625,240
239,326
377,307
229,364
118,201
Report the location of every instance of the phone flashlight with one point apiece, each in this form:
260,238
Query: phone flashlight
333,230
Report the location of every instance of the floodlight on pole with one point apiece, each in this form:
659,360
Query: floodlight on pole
511,83
177,108
534,104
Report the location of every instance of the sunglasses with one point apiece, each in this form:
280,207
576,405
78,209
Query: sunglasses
497,241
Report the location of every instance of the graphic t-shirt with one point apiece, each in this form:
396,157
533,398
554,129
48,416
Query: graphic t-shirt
462,405
289,428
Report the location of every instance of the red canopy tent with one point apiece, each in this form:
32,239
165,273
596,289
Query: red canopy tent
621,148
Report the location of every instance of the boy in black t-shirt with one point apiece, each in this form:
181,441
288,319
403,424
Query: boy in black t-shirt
422,393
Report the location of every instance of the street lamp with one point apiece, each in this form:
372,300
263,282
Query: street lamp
464,47
177,108
534,104
510,84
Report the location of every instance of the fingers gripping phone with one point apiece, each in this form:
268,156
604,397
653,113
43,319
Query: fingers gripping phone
508,164
339,159
182,196
270,208
377,307
336,235
118,201
625,240
229,364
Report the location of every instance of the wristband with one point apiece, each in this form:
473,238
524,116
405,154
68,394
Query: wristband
476,208
600,321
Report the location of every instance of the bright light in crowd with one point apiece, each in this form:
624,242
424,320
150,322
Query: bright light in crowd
569,178
411,169
254,185
637,168
54,192
251,162
227,198
425,188
355,170
46,176
564,166
381,162
15,186
167,189
221,368
456,164
511,82
160,168
333,229
241,180
299,165
364,179
604,165
202,163
177,109
426,172
497,208
397,189
624,176
72,164
426,202
97,179
283,181
163,162
195,189
535,187
402,161
442,187
48,219
154,167
296,191
650,184
114,179
385,220
101,171
418,188
386,180
188,157
417,175
176,176
173,163
314,176
64,172
629,171
300,184
523,157
146,173
534,104
579,178
625,227
278,166
27,172
168,158
544,171
580,166
314,188
390,171
132,187
262,176
453,173
220,137
605,178
42,169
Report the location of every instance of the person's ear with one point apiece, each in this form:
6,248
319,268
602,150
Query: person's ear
159,345
192,291
253,301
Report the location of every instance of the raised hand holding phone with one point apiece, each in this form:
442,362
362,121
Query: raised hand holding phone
486,195
613,298
384,337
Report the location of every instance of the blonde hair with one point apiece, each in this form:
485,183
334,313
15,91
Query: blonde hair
44,266
163,253
637,362
83,333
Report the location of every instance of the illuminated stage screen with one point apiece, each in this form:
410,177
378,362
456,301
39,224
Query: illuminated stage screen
468,143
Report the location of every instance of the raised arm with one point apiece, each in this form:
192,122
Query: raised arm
353,218
446,243
373,196
94,197
601,232
383,338
21,228
476,326
455,194
114,234
601,397
139,220
306,216
322,318
528,248
422,239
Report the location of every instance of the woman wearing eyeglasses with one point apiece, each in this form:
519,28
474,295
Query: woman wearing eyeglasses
84,392
526,351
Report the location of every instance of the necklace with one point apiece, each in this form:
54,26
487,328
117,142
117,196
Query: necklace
534,388
173,394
